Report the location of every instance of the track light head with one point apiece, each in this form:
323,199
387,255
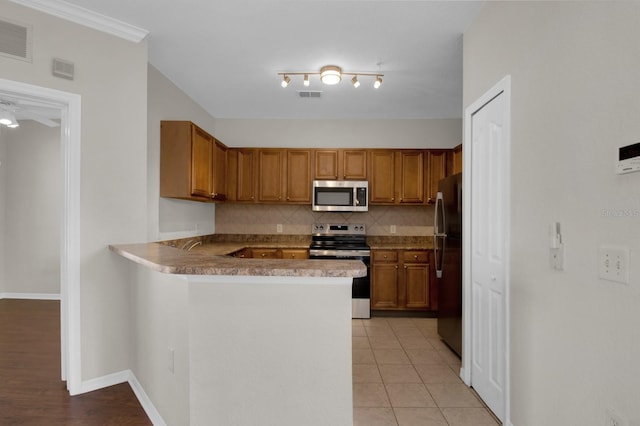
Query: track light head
306,80
355,81
378,82
285,81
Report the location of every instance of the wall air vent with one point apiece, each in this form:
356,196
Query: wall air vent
15,40
309,93
62,68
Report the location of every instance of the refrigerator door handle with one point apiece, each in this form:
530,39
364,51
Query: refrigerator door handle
438,235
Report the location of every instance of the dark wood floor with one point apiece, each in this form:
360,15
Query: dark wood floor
31,392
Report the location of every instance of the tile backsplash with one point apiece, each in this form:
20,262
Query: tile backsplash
232,218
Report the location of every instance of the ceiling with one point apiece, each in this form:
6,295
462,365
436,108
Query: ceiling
225,54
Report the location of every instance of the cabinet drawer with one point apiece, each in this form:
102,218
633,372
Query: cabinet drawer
265,253
295,254
415,256
385,256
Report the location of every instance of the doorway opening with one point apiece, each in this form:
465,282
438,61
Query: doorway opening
69,105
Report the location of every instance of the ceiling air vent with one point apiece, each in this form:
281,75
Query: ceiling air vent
15,40
309,93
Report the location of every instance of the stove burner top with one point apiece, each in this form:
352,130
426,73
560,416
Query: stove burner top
336,237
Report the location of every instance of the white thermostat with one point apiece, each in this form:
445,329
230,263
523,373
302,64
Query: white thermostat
628,159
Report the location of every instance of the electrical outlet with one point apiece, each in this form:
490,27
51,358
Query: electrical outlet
614,419
279,228
614,264
392,229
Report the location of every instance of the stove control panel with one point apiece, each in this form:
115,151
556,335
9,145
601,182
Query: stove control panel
338,228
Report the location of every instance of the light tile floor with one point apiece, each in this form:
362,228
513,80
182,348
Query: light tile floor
403,375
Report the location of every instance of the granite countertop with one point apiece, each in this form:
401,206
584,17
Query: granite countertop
171,260
210,255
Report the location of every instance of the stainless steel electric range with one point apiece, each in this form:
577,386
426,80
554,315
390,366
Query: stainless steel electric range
345,241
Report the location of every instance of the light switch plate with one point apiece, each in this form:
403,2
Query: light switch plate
556,257
613,264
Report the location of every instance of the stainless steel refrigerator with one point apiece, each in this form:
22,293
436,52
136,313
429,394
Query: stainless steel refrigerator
447,248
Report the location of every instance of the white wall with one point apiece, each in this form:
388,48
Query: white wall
410,133
170,218
32,207
575,343
113,88
160,319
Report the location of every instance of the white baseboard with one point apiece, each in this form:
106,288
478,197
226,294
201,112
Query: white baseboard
145,401
31,296
126,376
105,381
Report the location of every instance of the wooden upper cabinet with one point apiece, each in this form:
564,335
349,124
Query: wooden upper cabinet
412,176
397,176
219,173
298,172
436,170
340,164
354,164
241,172
201,163
382,172
326,164
284,175
456,153
192,163
271,175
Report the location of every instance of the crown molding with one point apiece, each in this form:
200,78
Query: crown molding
86,17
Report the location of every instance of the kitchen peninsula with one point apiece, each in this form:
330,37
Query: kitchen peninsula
220,338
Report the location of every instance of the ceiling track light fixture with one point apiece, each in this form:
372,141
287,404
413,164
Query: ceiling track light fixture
331,75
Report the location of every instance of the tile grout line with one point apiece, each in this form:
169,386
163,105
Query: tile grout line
376,334
421,379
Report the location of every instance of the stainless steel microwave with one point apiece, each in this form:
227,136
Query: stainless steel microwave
340,196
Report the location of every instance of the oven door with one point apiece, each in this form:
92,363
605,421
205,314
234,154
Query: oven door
361,288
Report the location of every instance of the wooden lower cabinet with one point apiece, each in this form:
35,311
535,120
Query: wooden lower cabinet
271,253
294,253
402,280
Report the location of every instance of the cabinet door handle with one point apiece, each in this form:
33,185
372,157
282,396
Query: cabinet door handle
415,256
263,254
405,266
396,266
